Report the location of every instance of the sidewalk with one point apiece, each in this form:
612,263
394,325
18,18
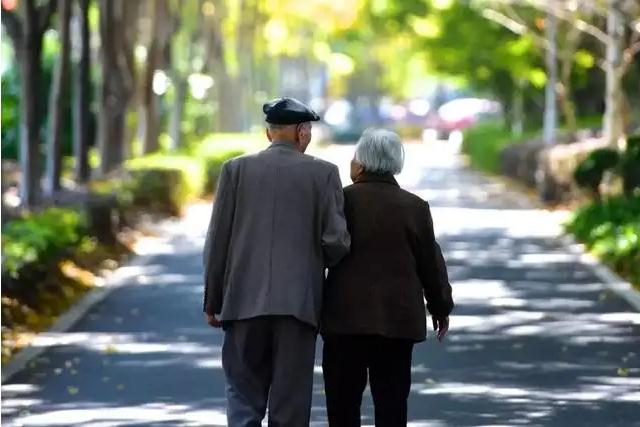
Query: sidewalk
536,338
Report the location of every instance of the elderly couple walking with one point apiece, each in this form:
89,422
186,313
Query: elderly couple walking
279,220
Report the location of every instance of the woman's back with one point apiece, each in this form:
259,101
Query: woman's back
378,288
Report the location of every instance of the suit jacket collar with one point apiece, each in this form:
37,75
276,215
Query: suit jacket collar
282,145
385,178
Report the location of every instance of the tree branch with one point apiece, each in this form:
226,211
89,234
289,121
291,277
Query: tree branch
13,27
629,53
513,25
591,30
44,15
563,14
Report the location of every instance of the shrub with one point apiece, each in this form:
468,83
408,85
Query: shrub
38,238
484,142
630,165
165,183
217,149
589,173
213,167
611,229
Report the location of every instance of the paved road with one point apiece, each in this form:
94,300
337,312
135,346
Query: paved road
536,340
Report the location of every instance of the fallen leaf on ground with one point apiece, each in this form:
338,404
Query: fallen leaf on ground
110,349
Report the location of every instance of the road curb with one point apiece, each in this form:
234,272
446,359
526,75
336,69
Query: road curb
77,311
614,282
611,279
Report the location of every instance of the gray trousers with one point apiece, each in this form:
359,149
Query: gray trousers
269,359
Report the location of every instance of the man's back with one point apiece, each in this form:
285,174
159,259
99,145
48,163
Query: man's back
279,224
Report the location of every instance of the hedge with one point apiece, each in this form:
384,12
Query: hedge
611,230
38,238
484,142
218,148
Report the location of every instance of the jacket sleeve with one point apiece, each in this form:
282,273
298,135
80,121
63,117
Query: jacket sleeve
432,270
216,246
336,240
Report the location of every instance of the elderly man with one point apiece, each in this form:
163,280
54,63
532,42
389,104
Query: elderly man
277,223
374,309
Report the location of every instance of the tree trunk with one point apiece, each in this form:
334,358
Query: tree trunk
177,113
517,124
113,93
550,108
544,180
568,107
31,71
614,99
57,104
147,113
81,98
566,68
148,103
245,54
26,36
227,86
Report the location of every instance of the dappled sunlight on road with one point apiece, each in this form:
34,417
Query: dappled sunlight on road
535,339
159,413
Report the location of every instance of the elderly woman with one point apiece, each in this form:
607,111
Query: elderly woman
373,309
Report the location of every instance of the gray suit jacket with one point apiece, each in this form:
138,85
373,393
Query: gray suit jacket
277,222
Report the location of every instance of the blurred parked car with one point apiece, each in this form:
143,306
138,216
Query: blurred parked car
459,114
346,121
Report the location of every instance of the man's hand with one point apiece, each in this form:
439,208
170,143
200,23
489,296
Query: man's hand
212,321
441,325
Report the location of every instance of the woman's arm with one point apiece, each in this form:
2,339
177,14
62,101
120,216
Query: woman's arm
432,270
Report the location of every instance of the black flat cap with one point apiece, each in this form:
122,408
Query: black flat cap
288,111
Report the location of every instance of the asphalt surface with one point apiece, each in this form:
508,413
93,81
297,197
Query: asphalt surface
536,339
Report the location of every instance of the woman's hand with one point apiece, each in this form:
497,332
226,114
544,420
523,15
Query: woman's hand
441,325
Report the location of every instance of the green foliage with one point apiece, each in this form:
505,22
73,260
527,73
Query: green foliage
589,173
484,142
121,188
630,165
164,182
611,229
218,148
10,114
493,59
10,131
38,238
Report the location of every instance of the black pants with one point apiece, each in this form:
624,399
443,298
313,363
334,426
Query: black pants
346,360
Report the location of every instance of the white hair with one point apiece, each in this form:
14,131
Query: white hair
380,151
